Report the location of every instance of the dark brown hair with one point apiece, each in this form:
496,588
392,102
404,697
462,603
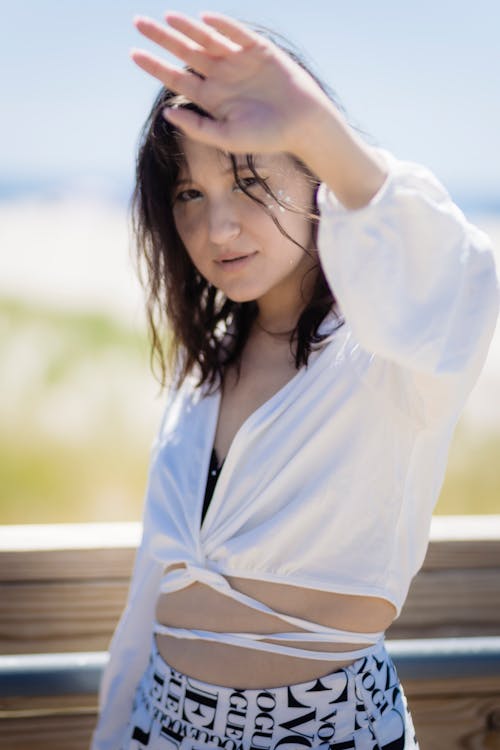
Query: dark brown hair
194,327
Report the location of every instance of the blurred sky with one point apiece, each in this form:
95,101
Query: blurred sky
422,78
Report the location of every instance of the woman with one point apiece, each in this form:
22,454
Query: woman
329,310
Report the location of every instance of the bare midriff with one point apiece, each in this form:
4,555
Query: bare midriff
201,607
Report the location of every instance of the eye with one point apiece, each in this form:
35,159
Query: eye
248,182
187,195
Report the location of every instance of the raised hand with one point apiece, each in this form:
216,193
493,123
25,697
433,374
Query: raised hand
259,98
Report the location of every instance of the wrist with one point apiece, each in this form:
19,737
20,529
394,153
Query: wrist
331,149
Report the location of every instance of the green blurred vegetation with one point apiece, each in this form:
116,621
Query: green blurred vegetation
79,409
53,482
472,482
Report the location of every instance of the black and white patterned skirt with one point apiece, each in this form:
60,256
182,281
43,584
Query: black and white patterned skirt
359,707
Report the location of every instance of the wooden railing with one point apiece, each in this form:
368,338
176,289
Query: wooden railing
63,587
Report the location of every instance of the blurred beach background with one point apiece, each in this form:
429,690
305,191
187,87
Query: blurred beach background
79,407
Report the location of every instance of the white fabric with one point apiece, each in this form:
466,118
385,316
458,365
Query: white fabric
331,483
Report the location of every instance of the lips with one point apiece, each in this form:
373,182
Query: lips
234,260
233,256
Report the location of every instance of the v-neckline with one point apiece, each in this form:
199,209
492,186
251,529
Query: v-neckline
215,402
263,408
245,425
218,463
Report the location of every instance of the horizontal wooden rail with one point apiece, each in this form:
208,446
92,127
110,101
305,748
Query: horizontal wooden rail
63,587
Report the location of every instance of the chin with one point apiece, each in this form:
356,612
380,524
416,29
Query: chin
240,298
241,295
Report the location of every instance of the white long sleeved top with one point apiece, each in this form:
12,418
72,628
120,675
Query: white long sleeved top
331,483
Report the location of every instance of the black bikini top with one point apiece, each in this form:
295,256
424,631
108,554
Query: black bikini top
213,475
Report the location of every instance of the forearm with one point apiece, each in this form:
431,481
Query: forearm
333,152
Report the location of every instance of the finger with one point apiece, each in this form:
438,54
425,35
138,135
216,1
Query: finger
234,30
203,129
180,81
175,42
213,42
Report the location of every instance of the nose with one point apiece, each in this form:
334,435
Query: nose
224,223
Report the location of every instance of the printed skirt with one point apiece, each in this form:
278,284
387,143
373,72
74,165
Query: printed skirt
359,707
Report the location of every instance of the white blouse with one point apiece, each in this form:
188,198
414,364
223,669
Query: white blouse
331,483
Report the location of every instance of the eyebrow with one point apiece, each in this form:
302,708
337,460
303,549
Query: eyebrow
243,165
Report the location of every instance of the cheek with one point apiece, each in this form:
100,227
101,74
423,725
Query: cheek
189,229
298,228
295,223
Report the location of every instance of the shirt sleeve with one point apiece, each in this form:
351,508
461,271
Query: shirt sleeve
131,643
128,653
415,281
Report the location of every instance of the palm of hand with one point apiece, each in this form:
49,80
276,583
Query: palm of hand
255,93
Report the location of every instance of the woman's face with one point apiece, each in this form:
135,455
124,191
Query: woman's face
230,239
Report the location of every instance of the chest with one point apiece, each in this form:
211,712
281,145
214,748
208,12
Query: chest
259,380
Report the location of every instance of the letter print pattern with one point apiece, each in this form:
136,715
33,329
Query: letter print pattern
362,707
